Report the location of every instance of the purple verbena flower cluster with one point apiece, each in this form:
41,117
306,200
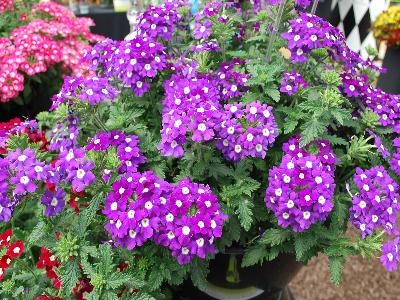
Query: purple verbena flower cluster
65,135
207,46
185,218
192,105
378,144
395,160
21,173
54,202
127,150
292,82
308,32
73,166
376,205
386,106
300,190
134,62
92,90
246,131
300,3
160,22
391,254
212,12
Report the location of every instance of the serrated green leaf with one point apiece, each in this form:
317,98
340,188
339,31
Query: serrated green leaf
311,130
142,296
199,272
117,279
290,125
303,243
244,212
253,255
69,274
336,264
37,233
274,94
87,215
275,236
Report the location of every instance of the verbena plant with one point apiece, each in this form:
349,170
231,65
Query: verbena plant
248,126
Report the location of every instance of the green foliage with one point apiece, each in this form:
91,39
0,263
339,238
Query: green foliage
69,274
335,268
275,236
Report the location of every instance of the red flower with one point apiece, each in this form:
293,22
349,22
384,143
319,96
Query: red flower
10,124
5,238
16,249
5,262
57,283
81,288
46,259
23,17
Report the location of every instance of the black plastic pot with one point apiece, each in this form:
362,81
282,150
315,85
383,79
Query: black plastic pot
390,82
228,280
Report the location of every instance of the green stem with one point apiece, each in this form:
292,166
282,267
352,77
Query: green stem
275,30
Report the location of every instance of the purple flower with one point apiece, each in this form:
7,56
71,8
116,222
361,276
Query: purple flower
202,30
186,218
23,184
81,176
54,202
390,255
133,62
6,209
300,190
376,205
21,159
248,132
378,144
292,82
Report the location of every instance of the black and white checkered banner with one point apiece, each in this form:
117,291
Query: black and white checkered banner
354,18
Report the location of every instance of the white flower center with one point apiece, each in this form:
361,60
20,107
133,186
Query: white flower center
22,158
290,204
185,230
54,202
24,180
200,242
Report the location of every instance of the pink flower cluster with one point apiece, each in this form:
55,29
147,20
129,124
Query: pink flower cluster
5,5
33,48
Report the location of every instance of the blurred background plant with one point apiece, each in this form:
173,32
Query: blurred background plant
40,43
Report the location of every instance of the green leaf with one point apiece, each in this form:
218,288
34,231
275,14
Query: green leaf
334,140
69,274
109,295
274,94
117,279
311,130
275,236
86,216
340,214
244,212
37,233
340,114
303,243
199,272
290,125
253,255
142,296
335,268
